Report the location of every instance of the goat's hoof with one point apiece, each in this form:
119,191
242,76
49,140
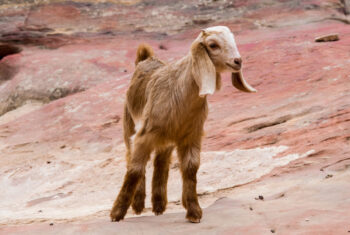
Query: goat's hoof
138,211
156,213
193,220
159,208
195,215
138,206
117,214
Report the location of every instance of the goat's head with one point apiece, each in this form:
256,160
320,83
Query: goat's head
213,52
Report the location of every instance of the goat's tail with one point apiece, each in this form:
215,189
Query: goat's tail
143,52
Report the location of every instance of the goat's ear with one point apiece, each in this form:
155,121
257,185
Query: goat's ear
239,82
203,69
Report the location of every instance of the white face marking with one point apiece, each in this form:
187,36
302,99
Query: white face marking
228,37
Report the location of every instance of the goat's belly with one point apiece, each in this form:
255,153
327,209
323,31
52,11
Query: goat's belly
170,132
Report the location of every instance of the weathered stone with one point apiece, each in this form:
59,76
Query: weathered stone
327,38
6,49
346,7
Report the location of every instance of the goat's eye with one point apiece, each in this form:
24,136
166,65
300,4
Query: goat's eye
213,46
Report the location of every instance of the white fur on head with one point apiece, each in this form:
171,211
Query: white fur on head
228,54
215,51
228,36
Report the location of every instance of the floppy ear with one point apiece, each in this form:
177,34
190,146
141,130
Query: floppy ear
203,70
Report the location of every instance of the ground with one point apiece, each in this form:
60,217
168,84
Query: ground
277,161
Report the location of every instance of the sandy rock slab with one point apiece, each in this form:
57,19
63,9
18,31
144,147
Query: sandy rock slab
306,202
295,206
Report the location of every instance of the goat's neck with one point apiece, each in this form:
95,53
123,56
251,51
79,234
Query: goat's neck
186,83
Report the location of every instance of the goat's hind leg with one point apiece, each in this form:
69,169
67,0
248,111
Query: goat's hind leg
135,172
160,179
138,203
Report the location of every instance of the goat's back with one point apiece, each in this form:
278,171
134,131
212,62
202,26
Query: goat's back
137,95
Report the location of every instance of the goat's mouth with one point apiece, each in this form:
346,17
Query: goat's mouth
235,67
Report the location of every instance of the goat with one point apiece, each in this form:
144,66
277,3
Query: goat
166,107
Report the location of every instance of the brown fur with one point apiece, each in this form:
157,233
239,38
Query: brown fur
173,115
166,100
143,52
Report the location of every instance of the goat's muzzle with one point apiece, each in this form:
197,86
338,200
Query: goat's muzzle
235,65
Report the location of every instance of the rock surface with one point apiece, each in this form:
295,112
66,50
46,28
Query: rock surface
61,96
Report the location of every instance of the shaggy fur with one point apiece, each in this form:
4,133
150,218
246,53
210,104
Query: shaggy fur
166,107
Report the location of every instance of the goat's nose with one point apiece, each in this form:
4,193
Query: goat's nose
238,61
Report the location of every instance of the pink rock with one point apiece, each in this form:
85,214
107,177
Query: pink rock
65,106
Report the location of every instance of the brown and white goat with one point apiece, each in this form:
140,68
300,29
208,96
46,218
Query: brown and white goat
166,107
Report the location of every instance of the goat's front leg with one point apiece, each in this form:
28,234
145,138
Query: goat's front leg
135,172
189,157
160,180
